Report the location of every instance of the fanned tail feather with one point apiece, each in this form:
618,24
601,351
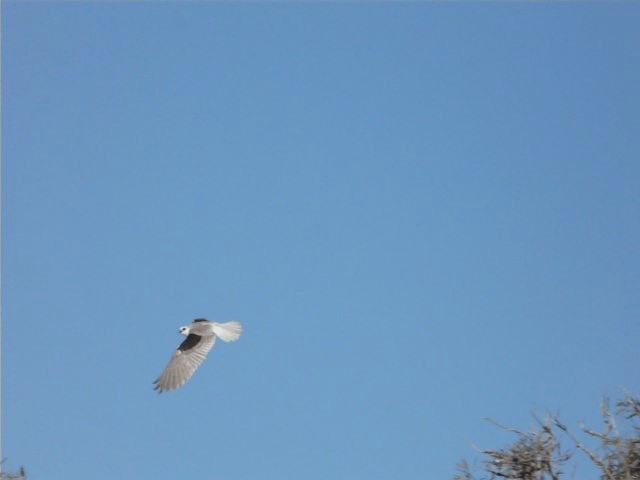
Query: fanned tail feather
228,332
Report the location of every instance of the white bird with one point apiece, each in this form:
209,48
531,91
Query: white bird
201,336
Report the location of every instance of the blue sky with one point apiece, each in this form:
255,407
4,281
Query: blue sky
423,214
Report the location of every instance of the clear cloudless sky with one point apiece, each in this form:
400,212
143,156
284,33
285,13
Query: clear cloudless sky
424,214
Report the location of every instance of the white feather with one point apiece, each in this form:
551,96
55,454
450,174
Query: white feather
227,332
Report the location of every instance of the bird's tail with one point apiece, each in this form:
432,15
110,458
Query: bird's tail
228,332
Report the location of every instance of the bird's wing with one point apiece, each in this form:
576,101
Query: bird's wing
185,361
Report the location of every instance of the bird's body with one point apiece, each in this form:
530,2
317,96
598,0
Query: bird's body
201,337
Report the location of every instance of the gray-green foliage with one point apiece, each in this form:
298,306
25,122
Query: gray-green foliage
21,475
539,454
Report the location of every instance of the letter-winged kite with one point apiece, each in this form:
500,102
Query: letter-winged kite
201,336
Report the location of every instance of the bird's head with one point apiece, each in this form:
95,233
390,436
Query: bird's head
184,331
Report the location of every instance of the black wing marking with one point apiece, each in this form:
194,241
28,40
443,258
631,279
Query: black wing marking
200,320
191,341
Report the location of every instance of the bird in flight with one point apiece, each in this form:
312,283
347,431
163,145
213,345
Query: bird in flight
201,336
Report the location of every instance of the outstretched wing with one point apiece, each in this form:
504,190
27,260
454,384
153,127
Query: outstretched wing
185,361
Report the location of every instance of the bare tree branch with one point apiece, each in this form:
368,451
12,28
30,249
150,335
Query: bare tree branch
537,455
